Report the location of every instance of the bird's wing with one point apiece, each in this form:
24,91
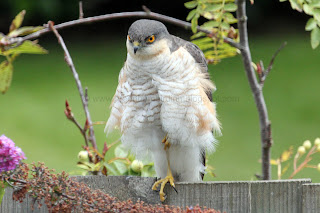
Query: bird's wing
200,59
116,104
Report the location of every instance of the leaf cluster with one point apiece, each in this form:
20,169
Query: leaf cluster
121,164
312,8
60,193
220,21
10,52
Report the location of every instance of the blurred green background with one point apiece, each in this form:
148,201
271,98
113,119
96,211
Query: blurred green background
32,111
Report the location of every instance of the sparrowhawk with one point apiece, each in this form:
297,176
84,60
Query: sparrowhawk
162,104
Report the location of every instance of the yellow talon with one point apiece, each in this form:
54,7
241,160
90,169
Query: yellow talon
169,178
166,142
163,182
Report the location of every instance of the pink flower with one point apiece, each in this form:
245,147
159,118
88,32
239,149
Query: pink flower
10,155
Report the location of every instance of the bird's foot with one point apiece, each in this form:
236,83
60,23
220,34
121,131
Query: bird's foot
162,184
166,142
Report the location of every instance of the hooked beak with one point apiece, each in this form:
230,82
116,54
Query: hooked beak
136,46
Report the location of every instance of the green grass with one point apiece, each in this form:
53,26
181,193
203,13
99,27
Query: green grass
31,113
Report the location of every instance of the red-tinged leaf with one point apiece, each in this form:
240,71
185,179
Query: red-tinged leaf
17,21
105,149
86,126
259,69
104,171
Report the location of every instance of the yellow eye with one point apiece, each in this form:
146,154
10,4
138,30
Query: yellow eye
129,38
151,39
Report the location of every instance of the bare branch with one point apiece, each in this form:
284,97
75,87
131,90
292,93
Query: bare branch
78,82
140,14
267,71
265,126
80,10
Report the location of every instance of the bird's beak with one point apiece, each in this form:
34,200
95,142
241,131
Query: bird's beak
136,46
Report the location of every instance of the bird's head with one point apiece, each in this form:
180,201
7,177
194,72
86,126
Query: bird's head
147,38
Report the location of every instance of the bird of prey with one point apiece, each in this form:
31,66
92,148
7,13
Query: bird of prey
162,104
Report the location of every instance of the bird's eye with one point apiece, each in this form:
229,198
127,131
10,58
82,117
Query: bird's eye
151,39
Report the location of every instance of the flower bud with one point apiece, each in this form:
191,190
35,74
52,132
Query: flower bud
307,144
317,141
136,166
318,167
318,148
301,150
83,156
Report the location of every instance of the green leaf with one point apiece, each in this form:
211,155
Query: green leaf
2,190
295,5
147,171
191,14
83,166
282,0
315,37
225,26
24,31
6,70
230,7
111,169
311,24
191,4
315,4
307,9
316,14
209,15
17,21
211,24
202,41
121,167
197,35
194,23
228,17
121,152
214,7
26,47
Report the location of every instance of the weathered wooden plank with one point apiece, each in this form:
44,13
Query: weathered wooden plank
277,196
311,198
234,196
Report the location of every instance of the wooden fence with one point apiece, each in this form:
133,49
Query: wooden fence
285,196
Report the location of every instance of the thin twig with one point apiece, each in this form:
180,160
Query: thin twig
267,71
78,82
302,165
265,125
113,16
80,10
71,117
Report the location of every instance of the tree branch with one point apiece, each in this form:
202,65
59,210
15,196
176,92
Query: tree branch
267,71
140,14
265,126
80,10
69,61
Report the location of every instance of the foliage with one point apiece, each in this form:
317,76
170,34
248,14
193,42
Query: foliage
124,163
61,193
220,21
312,8
10,52
301,152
